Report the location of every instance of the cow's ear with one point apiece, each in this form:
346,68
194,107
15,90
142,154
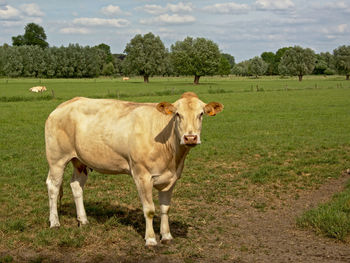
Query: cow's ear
213,108
166,108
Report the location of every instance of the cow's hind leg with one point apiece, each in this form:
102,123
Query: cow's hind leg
80,175
54,182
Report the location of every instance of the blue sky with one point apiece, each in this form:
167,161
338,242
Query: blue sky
243,29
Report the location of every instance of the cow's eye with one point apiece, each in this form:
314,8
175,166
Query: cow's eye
178,115
200,115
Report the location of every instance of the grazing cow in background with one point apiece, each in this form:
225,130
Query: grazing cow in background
148,141
38,89
126,78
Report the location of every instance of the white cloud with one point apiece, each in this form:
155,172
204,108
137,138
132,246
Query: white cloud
337,5
111,10
75,30
169,19
342,28
274,4
101,22
9,12
227,8
31,10
174,8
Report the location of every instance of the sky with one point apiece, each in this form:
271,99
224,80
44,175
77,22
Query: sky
244,29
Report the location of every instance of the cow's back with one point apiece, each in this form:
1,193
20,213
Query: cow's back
103,133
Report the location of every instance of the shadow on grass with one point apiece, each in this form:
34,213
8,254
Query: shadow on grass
113,215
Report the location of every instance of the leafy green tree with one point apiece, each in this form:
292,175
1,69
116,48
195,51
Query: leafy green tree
146,56
198,57
224,66
118,63
108,69
257,66
269,58
230,59
297,61
34,36
342,60
107,50
324,64
241,68
278,56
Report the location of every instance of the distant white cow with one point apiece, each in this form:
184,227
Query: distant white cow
126,78
38,89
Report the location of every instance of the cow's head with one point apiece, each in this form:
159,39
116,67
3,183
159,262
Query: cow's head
188,112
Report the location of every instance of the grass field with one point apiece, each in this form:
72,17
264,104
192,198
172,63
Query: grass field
275,138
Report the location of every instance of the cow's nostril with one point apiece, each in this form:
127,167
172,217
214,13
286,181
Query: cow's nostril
190,139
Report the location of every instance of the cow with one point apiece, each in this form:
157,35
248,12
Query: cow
126,78
38,89
148,141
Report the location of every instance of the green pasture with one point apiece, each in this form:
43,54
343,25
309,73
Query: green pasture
276,135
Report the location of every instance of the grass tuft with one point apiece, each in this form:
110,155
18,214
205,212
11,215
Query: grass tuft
331,219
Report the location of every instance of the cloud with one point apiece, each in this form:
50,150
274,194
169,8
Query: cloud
167,19
8,12
75,30
174,8
274,4
227,8
111,10
101,22
31,10
336,5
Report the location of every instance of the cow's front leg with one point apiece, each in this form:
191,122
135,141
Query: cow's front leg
164,202
144,186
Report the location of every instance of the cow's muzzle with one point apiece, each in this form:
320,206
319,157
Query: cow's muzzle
191,140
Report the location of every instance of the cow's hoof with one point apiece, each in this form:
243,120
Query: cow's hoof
151,242
166,239
55,225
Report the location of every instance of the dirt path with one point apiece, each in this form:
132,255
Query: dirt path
272,236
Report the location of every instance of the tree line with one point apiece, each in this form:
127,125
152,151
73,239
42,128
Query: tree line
297,61
145,55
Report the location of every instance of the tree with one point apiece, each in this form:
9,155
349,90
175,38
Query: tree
224,66
107,50
257,67
241,69
34,36
145,56
324,64
230,59
342,60
297,61
278,56
198,57
269,58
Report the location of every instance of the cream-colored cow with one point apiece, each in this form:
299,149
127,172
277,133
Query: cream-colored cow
148,141
126,78
38,89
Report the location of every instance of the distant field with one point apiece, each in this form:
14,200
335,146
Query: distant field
277,136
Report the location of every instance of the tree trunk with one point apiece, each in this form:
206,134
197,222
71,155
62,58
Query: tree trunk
347,77
145,79
300,77
196,80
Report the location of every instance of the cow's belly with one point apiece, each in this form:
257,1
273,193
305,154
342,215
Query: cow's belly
102,159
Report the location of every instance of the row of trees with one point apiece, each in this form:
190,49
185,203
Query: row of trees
297,61
31,56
